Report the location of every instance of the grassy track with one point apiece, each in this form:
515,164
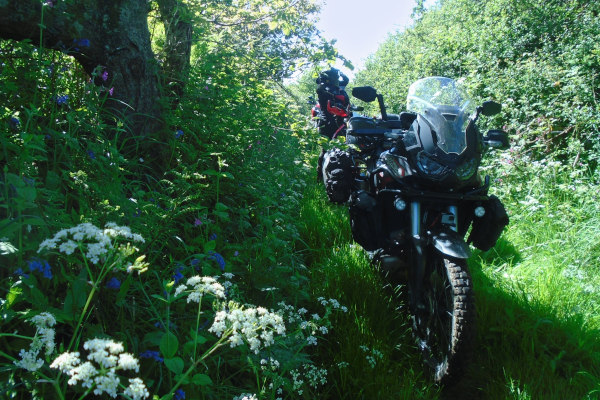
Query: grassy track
536,297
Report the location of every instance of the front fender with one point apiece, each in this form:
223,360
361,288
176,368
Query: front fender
451,244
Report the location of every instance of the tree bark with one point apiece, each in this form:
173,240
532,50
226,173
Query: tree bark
109,36
175,17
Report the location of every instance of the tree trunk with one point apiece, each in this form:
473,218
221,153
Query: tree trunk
109,36
178,45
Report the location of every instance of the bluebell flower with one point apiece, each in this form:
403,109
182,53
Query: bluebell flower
20,272
91,154
177,276
155,355
213,237
179,394
113,283
64,99
41,266
178,134
15,123
218,258
81,42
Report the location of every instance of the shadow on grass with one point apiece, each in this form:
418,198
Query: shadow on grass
523,349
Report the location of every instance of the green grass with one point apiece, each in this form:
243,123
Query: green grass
536,297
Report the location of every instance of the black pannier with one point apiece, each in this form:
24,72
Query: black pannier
366,220
488,228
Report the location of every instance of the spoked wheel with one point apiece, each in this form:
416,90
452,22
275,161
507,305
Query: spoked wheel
444,318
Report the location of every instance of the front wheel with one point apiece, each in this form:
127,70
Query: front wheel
444,318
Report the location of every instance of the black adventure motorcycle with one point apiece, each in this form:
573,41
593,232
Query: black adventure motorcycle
414,191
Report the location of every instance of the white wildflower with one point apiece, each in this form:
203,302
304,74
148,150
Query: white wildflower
44,320
107,383
127,361
245,396
249,325
44,337
136,389
199,286
29,360
83,373
67,247
110,357
94,241
66,362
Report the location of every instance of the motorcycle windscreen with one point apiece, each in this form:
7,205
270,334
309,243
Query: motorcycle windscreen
446,106
448,123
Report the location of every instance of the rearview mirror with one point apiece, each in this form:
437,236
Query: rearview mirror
489,108
365,93
496,138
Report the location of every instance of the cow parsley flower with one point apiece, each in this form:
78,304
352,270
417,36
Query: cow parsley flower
94,242
44,338
136,389
29,360
254,326
199,286
246,396
100,371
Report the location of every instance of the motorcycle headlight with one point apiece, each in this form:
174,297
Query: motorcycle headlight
430,167
466,170
394,166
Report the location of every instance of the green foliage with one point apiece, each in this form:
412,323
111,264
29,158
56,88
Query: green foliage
539,58
236,229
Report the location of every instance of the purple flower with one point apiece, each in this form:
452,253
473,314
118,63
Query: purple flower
49,3
60,100
104,76
155,355
178,134
81,42
14,122
111,91
179,394
177,276
113,283
197,222
218,258
42,266
20,272
236,253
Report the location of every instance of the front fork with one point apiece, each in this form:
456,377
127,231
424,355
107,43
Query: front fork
420,245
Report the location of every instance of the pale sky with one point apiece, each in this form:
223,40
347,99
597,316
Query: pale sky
360,26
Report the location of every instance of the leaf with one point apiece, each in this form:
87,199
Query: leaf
123,290
201,380
210,246
169,345
153,338
13,295
174,365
